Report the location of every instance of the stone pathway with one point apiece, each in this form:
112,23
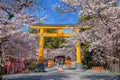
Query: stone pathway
52,74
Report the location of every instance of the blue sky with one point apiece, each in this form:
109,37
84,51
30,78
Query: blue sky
53,16
118,2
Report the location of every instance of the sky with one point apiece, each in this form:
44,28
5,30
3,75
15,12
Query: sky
119,2
55,17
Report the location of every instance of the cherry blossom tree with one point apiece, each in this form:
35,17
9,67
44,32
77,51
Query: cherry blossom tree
13,41
104,36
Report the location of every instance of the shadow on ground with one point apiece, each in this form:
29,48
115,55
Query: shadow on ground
101,77
54,76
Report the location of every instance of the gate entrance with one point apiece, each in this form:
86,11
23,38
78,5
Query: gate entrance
60,59
43,34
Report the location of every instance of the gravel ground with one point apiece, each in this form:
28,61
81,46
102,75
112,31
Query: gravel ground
52,74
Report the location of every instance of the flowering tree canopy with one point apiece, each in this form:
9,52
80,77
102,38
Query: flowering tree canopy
104,36
13,41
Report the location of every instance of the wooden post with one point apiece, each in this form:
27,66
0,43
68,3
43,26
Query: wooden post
78,53
41,43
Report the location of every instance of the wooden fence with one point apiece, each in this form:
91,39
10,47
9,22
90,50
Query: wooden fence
97,69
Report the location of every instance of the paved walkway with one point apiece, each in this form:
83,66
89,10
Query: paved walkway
52,74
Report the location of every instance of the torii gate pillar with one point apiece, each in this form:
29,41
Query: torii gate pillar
78,54
41,51
59,34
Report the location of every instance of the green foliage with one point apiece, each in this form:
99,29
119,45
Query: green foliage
32,65
85,45
88,60
85,67
85,18
31,30
50,42
54,42
51,30
34,31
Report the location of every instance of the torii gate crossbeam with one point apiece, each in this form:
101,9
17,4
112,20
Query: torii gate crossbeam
58,34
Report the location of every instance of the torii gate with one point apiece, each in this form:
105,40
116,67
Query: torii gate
58,34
